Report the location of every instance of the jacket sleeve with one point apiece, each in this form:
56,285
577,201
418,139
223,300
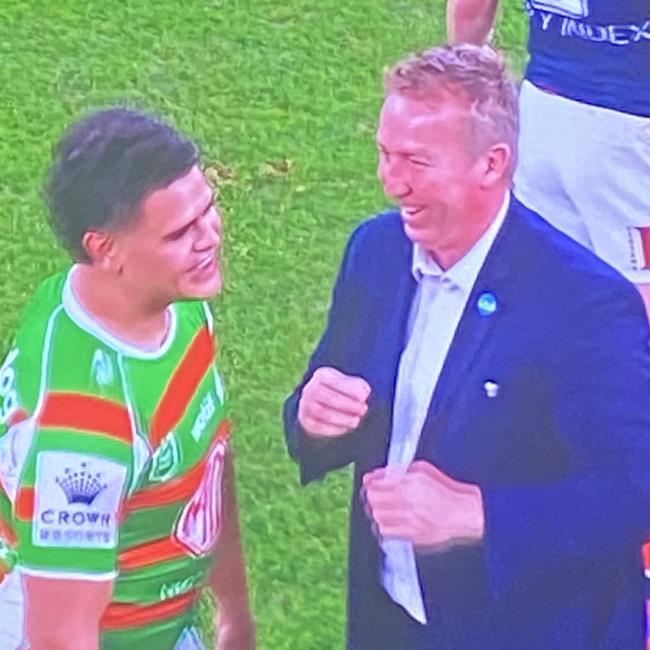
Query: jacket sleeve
599,511
337,349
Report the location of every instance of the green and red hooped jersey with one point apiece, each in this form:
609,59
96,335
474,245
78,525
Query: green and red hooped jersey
111,462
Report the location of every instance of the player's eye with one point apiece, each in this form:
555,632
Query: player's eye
177,234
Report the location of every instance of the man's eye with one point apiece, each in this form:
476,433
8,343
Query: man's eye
175,236
420,163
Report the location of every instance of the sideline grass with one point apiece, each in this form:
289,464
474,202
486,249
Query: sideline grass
283,96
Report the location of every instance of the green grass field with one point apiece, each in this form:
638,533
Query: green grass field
283,97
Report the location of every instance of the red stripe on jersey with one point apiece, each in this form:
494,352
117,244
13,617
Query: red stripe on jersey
645,244
160,550
24,507
7,532
182,386
86,413
119,616
180,488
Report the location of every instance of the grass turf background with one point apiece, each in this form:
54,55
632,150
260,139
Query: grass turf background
283,98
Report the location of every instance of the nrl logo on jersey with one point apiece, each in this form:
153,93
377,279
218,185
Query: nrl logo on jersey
102,368
166,459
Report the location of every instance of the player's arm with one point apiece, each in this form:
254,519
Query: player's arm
470,21
228,580
64,614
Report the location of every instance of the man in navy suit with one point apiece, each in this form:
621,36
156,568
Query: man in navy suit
489,379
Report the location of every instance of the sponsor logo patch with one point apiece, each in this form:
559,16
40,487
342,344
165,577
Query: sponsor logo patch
166,459
77,499
200,521
569,8
206,411
639,242
180,587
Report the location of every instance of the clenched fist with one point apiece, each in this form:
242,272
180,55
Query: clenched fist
332,403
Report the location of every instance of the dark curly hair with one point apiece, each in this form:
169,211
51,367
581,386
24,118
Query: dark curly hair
104,167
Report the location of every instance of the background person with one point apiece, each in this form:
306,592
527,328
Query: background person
584,144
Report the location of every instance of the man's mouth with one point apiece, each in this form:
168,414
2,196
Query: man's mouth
409,213
205,263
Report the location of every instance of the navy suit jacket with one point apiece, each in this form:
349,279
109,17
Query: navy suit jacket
561,453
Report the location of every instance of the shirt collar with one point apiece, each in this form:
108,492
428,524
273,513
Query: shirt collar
464,272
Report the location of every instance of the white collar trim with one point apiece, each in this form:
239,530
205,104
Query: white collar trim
87,322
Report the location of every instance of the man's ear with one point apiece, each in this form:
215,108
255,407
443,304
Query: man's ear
102,248
497,164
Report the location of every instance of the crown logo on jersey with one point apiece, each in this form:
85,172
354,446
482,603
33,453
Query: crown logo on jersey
81,486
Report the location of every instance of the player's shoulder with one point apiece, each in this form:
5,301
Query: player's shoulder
41,309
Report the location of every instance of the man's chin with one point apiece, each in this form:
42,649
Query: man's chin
413,233
202,290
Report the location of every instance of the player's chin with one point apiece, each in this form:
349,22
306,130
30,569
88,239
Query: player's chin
199,288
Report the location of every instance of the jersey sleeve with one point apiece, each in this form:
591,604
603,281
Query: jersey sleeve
12,413
66,458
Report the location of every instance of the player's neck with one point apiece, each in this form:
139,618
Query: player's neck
118,311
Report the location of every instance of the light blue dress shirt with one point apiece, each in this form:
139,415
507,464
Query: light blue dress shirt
437,307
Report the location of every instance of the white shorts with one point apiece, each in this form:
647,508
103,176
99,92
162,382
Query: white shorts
586,169
11,608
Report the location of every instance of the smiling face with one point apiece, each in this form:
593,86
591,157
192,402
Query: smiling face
426,166
170,252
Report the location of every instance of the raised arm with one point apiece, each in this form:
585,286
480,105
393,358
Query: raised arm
470,21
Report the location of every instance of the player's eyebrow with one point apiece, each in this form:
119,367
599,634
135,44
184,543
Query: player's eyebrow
178,232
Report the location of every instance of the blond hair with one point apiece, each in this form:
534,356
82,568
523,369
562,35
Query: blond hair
477,73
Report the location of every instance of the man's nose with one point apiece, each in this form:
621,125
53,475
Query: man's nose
210,231
395,183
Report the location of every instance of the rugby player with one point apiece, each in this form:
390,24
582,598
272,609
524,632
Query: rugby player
584,145
117,499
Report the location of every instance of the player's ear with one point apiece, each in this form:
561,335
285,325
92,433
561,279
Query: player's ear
497,162
101,247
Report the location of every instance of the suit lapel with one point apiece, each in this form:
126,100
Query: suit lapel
398,288
478,320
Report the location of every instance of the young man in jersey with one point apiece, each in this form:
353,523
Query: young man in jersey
584,146
117,485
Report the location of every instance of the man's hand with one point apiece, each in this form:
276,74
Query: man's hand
424,506
332,403
236,632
